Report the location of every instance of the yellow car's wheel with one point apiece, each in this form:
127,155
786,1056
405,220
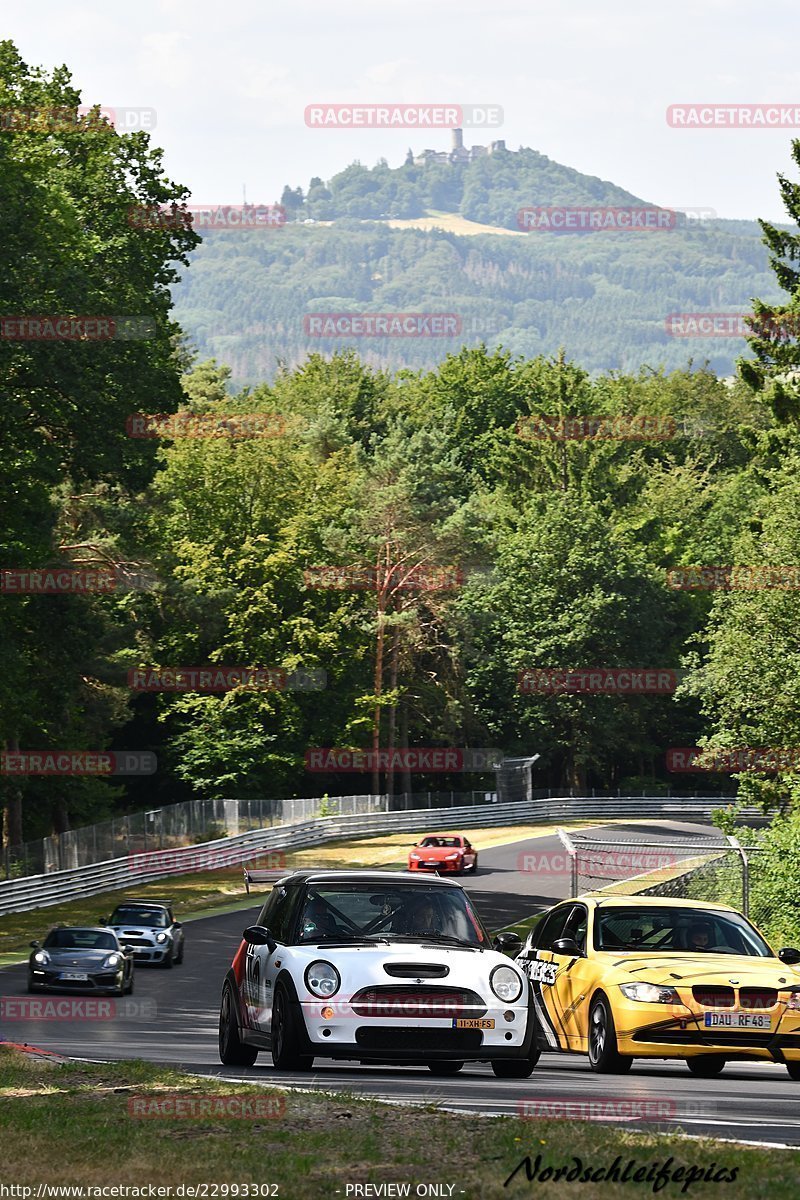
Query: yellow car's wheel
794,1070
604,1056
706,1065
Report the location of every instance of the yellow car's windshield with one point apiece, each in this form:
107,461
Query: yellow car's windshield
662,930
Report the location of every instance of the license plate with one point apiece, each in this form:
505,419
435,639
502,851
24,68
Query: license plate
473,1023
433,863
74,975
736,1021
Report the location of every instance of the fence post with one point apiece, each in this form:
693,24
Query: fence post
736,844
569,846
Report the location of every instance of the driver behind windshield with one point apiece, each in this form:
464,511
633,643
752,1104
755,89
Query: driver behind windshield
318,921
700,936
422,918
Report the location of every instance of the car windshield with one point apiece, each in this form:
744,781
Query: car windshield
364,912
440,842
80,939
669,930
129,914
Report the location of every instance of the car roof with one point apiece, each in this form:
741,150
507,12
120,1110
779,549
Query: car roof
401,878
144,903
617,900
80,928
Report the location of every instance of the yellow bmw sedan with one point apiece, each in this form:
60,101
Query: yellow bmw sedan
624,977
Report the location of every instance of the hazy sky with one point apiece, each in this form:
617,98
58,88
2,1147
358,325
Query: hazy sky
586,83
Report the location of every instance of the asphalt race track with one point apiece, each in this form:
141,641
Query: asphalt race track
172,1018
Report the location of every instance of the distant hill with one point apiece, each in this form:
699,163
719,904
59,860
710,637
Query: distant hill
605,296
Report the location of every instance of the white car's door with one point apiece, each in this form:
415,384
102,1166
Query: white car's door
265,964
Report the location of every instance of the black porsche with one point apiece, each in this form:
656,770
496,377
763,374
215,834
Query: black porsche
76,959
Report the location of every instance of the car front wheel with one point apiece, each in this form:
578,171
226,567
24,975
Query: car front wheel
232,1050
604,1056
287,1054
794,1070
706,1065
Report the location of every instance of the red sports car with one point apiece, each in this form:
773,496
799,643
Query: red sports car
443,852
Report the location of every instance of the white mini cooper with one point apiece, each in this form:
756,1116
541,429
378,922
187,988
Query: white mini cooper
376,967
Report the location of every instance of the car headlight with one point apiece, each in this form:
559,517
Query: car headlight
322,979
506,984
161,937
416,857
41,958
113,961
650,993
452,855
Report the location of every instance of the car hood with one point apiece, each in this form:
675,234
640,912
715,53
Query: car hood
688,969
78,958
365,966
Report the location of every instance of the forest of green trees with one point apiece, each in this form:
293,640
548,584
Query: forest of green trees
557,549
605,297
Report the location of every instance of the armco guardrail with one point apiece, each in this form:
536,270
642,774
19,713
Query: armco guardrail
43,891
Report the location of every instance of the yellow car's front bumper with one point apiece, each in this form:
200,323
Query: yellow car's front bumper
681,1031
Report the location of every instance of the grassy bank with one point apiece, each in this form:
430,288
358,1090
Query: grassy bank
76,1123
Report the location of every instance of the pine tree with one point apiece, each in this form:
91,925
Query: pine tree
775,371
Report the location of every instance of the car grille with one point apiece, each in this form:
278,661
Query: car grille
758,997
745,1038
412,1040
714,996
417,1002
137,941
416,970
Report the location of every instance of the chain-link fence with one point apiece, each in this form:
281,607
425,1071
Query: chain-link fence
717,869
197,821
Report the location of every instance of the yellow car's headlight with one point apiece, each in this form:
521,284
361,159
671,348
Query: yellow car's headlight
650,993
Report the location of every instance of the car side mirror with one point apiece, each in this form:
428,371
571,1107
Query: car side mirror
789,955
34,945
102,921
125,948
507,943
259,935
177,925
567,946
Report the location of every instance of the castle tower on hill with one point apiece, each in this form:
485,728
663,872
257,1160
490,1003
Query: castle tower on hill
458,152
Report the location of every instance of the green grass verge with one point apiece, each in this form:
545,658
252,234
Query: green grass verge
73,1124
